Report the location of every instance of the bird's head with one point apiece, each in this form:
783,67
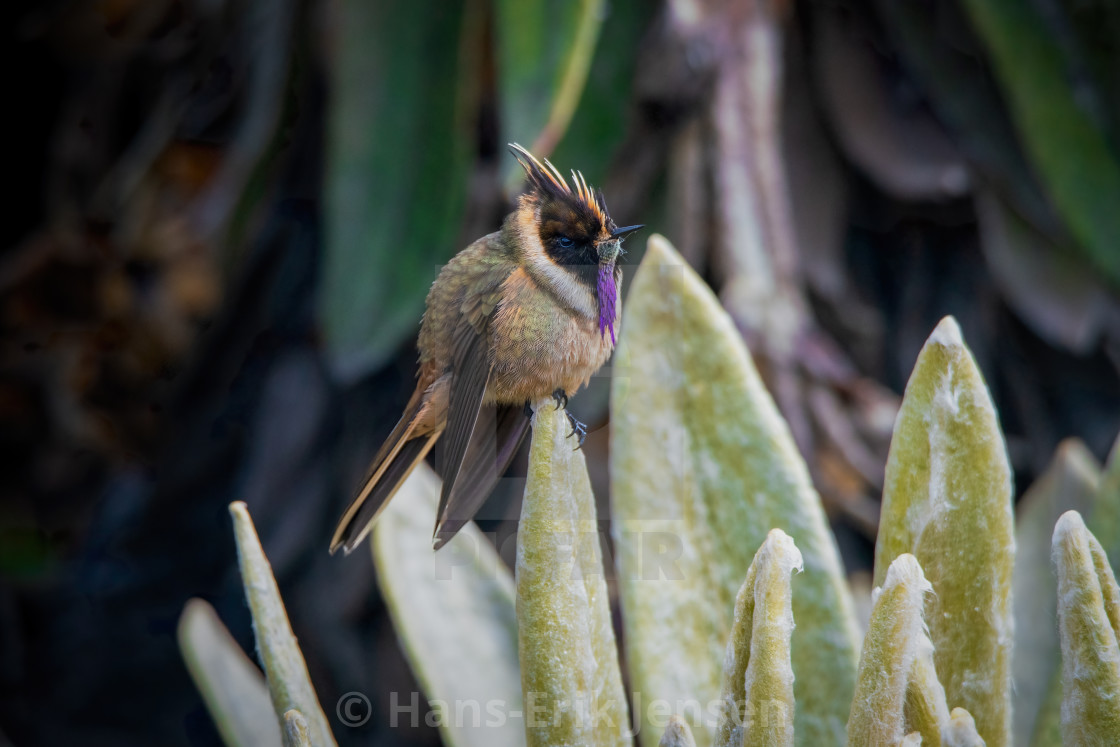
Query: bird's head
572,223
571,227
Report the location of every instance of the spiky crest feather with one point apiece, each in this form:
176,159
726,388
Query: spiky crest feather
547,179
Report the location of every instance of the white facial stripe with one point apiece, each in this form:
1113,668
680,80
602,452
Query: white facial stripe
561,283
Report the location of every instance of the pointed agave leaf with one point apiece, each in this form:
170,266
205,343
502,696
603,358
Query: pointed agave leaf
1089,614
396,173
231,685
757,694
453,611
897,692
1070,482
289,685
570,677
1071,154
947,500
702,467
1104,522
544,54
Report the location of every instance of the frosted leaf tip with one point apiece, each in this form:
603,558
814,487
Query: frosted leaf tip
780,545
1068,522
905,569
947,333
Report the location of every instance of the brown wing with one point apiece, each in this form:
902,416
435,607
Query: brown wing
498,432
479,440
482,270
470,372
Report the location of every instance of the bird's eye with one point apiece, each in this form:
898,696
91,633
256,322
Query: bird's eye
565,242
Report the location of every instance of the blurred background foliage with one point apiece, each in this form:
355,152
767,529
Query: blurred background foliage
225,215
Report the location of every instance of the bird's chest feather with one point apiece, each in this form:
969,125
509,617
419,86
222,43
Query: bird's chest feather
538,345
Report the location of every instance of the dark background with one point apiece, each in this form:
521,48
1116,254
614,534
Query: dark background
222,217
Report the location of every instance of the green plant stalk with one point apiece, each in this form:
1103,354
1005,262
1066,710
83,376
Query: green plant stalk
573,77
947,500
1089,618
570,677
289,685
546,50
757,694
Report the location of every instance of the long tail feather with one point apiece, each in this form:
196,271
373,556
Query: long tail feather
498,434
395,460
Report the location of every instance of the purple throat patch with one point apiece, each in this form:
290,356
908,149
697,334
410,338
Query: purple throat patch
608,299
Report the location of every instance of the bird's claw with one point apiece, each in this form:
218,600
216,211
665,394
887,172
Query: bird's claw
577,427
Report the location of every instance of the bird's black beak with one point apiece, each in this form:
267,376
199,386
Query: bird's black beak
622,233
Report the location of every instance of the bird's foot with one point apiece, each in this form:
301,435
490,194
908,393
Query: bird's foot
577,428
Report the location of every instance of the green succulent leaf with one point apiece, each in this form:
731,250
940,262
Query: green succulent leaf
1072,155
231,685
1104,522
545,50
453,611
289,685
897,690
396,174
947,500
599,124
570,677
1089,617
702,468
757,693
1070,482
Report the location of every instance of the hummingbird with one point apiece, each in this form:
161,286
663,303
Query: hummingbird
525,313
